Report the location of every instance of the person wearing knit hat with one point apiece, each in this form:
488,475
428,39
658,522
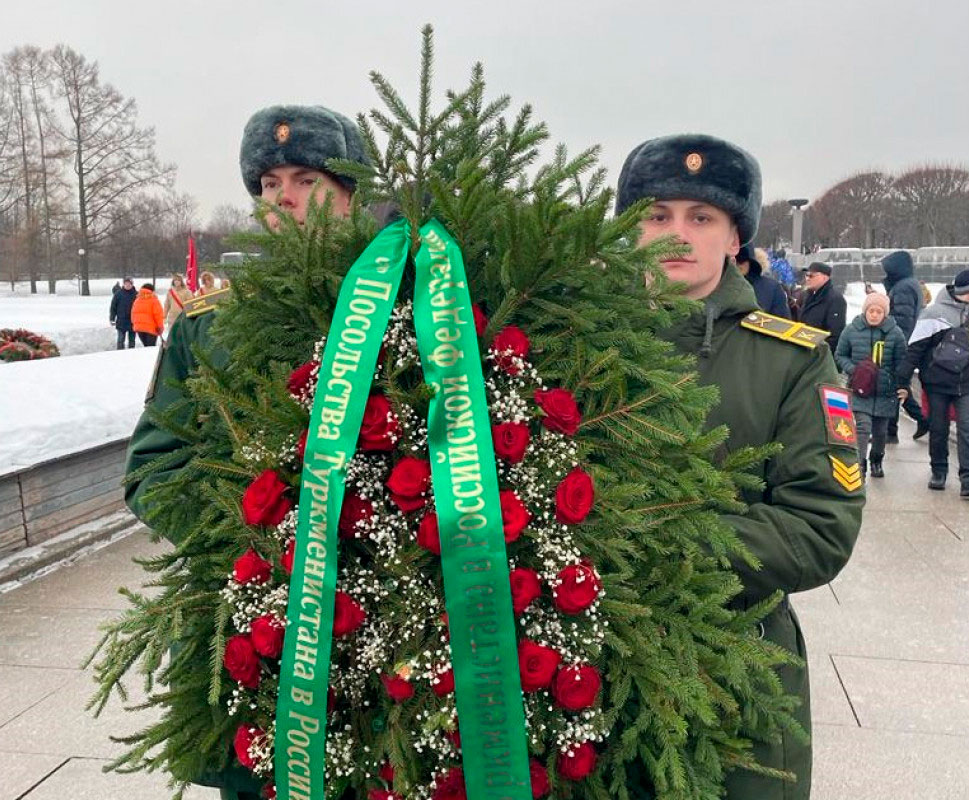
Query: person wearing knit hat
937,349
289,156
777,382
869,352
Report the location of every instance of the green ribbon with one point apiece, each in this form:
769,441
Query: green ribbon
474,561
360,318
477,590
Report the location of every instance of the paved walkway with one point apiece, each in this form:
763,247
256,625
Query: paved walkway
889,643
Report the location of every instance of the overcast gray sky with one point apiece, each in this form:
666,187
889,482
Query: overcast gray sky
814,89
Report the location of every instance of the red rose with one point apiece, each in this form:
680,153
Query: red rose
510,440
445,683
537,664
480,320
561,412
264,501
379,429
525,587
302,378
245,736
387,772
301,445
250,567
267,635
355,509
428,533
540,784
347,615
514,515
510,344
409,482
398,688
574,497
576,687
576,589
382,794
286,560
269,791
579,764
450,786
242,661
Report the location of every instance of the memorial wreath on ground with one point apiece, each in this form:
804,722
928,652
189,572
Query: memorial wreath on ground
449,524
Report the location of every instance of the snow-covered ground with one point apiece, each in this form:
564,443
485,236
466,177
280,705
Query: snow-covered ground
75,324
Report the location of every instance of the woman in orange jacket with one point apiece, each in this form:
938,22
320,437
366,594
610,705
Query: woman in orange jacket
147,317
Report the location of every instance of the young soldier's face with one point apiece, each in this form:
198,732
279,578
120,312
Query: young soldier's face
291,187
710,234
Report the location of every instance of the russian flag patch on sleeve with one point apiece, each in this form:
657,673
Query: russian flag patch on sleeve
839,421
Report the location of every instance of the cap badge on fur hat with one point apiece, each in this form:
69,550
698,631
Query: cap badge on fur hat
282,132
694,162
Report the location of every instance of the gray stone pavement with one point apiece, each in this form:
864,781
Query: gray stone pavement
888,642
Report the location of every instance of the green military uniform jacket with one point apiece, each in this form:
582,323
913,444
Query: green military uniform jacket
803,525
176,362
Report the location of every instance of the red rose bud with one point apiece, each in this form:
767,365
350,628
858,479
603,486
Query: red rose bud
347,615
301,379
509,344
409,481
398,688
355,509
387,772
561,412
514,516
539,776
428,534
574,497
382,794
250,567
576,687
245,736
580,763
577,588
378,432
510,440
301,445
480,320
525,587
536,664
267,635
286,560
242,661
264,501
269,791
445,683
450,786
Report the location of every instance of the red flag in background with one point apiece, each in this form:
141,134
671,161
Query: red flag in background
192,266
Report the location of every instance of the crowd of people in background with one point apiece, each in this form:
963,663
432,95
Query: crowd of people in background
139,312
898,331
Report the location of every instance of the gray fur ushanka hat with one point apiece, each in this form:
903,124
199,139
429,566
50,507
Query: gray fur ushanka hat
306,136
694,167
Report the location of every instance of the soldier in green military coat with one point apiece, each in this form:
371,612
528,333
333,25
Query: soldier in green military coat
283,159
778,383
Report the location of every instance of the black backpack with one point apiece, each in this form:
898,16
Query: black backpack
952,353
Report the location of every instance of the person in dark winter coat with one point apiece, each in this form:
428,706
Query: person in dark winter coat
775,386
945,387
120,313
770,294
907,301
874,335
823,306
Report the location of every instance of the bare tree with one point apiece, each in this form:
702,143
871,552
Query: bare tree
854,212
227,219
934,196
114,159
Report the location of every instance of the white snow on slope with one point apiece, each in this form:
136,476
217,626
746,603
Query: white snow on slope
57,406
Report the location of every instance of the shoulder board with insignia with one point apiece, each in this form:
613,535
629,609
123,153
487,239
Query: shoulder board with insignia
206,302
785,329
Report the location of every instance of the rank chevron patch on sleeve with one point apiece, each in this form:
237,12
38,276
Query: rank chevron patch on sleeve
849,476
